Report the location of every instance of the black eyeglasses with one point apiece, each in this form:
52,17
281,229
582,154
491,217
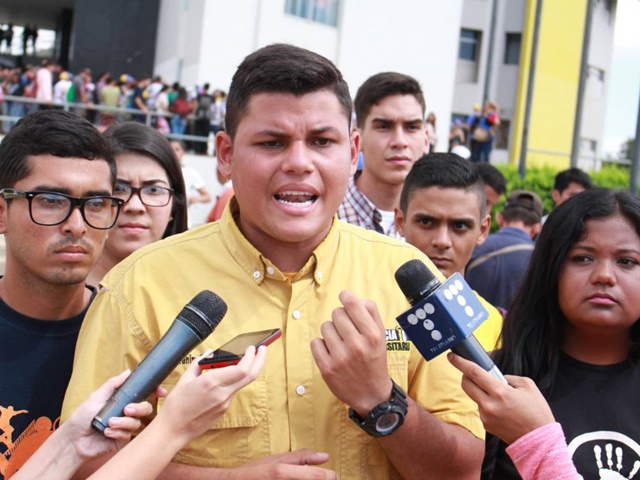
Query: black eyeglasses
51,208
151,196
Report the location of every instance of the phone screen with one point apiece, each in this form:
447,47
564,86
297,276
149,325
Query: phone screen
232,352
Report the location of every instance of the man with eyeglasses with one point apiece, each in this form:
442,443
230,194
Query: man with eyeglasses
56,182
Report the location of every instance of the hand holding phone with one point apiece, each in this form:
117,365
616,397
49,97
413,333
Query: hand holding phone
232,352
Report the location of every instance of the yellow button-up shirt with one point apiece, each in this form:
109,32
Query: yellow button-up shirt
289,406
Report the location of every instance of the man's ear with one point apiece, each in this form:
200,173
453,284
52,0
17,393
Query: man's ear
399,221
354,145
485,228
555,195
3,215
500,220
224,153
427,144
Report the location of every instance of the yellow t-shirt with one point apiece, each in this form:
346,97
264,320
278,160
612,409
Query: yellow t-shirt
289,406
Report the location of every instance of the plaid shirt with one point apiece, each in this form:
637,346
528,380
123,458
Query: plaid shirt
357,209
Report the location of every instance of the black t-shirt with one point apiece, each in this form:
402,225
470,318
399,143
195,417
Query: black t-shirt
36,357
599,410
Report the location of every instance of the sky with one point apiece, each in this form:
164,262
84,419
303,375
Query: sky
624,88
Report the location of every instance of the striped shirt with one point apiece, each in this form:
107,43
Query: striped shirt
357,209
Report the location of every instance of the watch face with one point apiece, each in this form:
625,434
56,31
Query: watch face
387,423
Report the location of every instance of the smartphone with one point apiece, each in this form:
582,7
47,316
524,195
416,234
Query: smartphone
232,352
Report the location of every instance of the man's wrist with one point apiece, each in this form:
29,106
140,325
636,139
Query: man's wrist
364,407
386,417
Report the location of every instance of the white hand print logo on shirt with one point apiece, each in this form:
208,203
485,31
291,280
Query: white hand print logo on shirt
608,454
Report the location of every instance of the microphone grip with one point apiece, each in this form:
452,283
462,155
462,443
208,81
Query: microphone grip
470,349
179,340
113,408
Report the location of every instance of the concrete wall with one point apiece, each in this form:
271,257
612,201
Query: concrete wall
471,77
595,99
417,38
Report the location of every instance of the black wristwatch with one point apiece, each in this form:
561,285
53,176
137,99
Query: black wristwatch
385,418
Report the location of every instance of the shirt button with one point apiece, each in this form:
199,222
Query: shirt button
256,274
300,390
319,275
270,270
296,314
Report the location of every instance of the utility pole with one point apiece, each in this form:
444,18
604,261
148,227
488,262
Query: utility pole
522,168
488,75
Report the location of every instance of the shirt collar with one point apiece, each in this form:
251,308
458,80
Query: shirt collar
258,266
369,215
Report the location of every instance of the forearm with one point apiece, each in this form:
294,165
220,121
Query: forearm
180,470
56,458
428,448
143,458
542,454
142,465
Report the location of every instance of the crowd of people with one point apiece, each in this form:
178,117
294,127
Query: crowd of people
475,136
174,108
100,259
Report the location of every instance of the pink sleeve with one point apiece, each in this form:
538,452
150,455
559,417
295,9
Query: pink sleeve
542,455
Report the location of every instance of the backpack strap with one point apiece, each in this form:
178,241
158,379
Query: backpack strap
501,251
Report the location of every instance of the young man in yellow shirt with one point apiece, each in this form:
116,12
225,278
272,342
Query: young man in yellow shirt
331,399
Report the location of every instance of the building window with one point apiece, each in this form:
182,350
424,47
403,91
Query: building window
469,44
322,11
512,49
502,134
588,146
595,81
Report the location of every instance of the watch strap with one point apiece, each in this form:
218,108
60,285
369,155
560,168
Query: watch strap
396,405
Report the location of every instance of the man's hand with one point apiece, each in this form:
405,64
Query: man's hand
297,465
507,411
200,398
352,355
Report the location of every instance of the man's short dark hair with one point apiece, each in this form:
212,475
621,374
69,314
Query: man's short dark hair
492,177
572,175
381,86
283,68
523,205
50,132
445,170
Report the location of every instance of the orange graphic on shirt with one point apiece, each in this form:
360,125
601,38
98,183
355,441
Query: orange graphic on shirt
19,450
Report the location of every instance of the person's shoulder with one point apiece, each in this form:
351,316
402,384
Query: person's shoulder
165,252
490,244
368,247
499,239
361,235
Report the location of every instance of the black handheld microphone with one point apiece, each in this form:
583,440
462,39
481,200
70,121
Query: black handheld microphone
443,316
194,323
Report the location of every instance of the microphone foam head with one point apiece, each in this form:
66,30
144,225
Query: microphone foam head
204,312
414,279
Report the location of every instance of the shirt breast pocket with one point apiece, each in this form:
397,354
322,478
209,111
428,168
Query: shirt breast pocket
240,435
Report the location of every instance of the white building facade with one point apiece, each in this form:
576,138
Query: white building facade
203,41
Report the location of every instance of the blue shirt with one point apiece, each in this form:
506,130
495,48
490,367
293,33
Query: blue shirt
498,279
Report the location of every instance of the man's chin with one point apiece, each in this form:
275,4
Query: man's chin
69,277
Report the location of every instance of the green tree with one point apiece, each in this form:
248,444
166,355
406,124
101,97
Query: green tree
626,150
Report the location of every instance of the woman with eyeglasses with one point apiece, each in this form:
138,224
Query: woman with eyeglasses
150,182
